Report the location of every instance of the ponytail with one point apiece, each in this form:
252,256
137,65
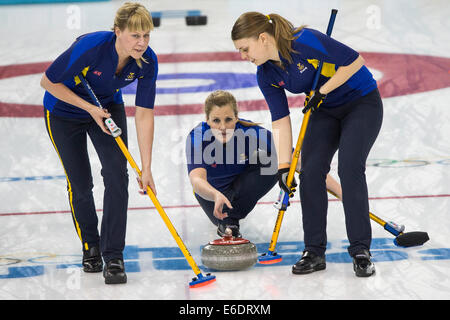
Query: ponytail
252,24
283,32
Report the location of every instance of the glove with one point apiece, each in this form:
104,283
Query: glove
282,182
313,102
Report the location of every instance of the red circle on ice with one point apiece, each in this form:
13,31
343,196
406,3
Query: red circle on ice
402,74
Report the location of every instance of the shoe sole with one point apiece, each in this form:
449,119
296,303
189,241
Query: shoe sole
93,270
363,274
93,267
223,235
319,267
116,280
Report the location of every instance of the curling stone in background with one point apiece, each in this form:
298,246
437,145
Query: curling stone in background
192,17
229,253
196,20
156,21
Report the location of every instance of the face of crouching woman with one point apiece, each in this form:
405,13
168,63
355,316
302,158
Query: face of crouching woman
221,115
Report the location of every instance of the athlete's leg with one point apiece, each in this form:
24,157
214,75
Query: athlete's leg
319,146
115,179
68,137
360,128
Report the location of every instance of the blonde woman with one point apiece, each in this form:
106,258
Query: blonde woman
347,113
110,60
232,163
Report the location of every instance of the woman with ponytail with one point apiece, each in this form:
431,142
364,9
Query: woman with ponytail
349,119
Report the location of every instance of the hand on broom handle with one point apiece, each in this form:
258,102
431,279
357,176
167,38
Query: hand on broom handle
201,279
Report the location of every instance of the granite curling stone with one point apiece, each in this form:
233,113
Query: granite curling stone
229,253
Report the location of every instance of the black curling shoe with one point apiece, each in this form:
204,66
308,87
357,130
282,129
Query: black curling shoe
92,260
362,265
114,272
309,263
221,230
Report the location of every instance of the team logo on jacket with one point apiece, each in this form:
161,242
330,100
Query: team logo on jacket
301,67
130,77
97,73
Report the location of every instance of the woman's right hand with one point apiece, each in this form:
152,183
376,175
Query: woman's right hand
99,115
219,201
63,93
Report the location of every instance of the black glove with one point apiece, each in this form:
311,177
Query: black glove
313,102
282,181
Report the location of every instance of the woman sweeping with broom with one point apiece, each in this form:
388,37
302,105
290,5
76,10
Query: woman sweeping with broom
347,114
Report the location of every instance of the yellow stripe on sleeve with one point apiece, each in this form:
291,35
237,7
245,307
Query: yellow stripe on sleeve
328,69
84,72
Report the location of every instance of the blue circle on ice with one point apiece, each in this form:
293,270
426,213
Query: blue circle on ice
211,82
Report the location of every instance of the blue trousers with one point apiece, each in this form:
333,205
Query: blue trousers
69,138
352,129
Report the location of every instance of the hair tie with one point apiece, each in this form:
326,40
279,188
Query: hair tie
268,18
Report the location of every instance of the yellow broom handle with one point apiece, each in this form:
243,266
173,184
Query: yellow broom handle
298,148
158,206
276,231
377,219
290,178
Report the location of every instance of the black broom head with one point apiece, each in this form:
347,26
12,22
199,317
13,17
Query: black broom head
411,239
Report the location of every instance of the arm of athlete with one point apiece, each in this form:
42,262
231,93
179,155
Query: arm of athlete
205,190
342,74
145,119
282,137
63,93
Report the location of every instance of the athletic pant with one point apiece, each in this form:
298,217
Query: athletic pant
69,137
243,193
352,128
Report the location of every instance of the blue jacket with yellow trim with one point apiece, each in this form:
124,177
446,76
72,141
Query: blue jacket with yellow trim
94,55
312,46
225,161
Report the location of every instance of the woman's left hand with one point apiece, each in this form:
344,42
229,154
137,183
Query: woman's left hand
314,102
145,181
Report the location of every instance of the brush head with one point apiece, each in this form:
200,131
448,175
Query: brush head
270,258
411,239
202,280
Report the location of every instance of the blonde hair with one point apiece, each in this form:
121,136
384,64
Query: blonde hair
220,98
135,17
252,24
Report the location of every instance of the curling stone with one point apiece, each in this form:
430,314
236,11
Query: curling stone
156,21
196,20
229,253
